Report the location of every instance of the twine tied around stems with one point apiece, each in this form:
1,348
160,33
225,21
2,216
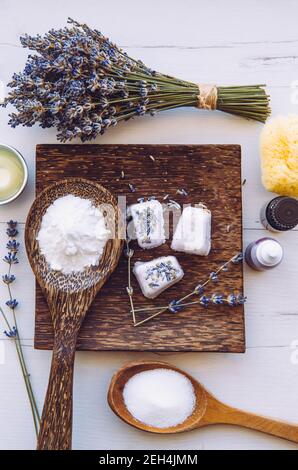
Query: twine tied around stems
207,97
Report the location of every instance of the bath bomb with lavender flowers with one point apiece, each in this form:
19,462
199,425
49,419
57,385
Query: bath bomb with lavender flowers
157,275
148,223
193,231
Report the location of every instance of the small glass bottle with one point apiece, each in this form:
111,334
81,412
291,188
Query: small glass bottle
280,214
263,254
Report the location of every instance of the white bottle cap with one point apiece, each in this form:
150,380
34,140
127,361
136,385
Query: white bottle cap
269,252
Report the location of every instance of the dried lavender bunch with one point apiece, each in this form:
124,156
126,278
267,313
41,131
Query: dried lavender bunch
82,83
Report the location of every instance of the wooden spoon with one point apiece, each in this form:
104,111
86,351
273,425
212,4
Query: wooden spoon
208,409
69,298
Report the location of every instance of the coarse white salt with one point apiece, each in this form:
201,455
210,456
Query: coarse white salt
157,275
159,397
193,231
148,223
72,234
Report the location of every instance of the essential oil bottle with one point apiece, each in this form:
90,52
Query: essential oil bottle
280,214
263,254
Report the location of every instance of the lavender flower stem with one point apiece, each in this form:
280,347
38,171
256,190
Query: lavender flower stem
25,373
130,290
151,316
26,377
13,331
5,319
148,309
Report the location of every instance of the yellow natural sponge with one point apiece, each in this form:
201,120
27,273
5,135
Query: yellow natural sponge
279,155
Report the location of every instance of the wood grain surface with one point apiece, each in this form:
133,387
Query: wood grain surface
210,174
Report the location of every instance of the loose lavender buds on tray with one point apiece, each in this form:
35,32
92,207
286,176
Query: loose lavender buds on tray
157,275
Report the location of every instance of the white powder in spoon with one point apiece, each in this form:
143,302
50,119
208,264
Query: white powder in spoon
159,397
72,234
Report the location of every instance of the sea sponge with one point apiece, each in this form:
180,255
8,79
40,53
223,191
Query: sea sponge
279,155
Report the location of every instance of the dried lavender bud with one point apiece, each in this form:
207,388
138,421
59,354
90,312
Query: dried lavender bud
8,278
213,276
11,258
231,300
12,231
13,303
174,306
205,301
132,188
11,333
238,258
182,192
199,289
217,299
240,299
13,246
129,290
129,253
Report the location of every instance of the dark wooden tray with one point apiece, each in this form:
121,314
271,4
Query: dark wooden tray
210,173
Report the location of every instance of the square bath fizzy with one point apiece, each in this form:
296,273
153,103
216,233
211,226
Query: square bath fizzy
157,275
148,223
193,231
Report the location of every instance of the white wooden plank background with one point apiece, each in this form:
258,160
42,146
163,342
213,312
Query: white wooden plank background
227,42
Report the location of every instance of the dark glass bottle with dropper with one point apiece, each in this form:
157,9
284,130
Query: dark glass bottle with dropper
280,214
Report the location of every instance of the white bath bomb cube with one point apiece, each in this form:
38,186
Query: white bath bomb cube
157,275
193,231
148,223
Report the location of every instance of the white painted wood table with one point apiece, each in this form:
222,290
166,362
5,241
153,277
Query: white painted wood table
228,42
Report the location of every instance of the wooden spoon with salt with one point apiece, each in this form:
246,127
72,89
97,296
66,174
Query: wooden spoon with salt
208,410
68,297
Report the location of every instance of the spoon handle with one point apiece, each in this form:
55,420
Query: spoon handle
67,311
56,421
219,413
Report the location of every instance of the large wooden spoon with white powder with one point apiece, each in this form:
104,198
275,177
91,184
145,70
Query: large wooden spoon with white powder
69,297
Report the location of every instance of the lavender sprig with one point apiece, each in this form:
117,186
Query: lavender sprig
205,301
129,254
12,331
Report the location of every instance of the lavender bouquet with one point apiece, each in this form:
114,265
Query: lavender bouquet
82,84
